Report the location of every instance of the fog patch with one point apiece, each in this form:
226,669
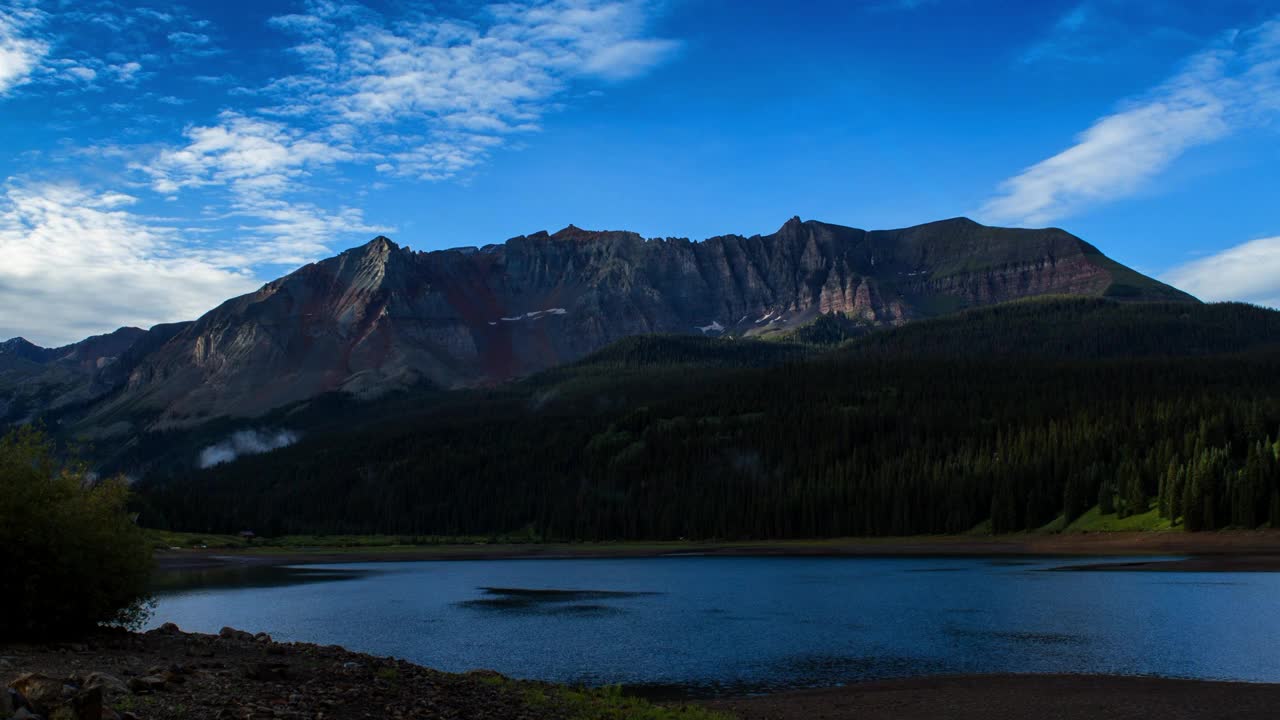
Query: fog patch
245,442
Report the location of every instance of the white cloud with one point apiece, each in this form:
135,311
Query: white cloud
20,51
462,86
253,155
1248,272
79,262
1219,91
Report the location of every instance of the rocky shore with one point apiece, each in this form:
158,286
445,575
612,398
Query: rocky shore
168,674
235,675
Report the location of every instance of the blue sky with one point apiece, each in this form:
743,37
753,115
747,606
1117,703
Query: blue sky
160,158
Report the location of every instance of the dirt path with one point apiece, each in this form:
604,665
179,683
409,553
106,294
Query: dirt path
1018,697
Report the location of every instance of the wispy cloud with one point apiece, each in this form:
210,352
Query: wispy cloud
21,51
431,97
423,97
79,262
1218,92
1248,272
92,45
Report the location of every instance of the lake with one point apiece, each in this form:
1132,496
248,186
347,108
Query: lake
712,625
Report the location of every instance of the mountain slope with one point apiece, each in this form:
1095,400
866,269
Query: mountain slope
381,317
907,430
34,380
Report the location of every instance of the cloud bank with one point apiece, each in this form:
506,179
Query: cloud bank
77,262
1248,272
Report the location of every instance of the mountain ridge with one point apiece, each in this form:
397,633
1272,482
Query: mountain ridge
380,316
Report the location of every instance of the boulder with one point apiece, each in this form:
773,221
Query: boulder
230,633
168,629
109,684
43,693
84,705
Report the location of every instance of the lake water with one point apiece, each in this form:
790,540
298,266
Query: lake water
731,625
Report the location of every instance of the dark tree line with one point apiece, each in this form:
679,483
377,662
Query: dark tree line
821,448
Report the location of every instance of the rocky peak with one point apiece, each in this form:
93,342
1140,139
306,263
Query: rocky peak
25,349
794,224
576,234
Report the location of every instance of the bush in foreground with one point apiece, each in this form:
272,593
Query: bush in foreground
70,554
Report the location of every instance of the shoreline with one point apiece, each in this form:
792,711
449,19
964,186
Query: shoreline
1223,551
166,673
1014,697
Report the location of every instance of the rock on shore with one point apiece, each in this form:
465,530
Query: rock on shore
166,673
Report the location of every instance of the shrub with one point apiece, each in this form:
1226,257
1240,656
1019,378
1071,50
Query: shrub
70,554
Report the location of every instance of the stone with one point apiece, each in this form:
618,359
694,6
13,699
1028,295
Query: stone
262,638
146,684
198,649
109,684
85,705
168,629
8,703
267,671
230,633
43,693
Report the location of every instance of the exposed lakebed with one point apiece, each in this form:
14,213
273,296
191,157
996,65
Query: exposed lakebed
739,624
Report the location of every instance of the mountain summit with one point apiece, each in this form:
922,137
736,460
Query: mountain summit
380,316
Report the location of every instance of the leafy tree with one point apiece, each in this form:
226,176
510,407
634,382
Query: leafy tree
73,557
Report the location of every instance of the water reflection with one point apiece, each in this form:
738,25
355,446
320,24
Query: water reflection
170,582
550,601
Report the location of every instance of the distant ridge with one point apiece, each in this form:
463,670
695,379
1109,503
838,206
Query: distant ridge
379,316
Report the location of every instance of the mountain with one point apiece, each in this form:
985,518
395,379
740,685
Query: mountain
34,379
382,317
1017,414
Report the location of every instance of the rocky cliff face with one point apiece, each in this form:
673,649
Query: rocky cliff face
380,316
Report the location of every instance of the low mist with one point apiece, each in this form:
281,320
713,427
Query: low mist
245,442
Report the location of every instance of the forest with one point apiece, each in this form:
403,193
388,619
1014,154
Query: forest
1011,417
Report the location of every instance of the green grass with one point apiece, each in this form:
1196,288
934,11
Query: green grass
1095,521
165,540
609,703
